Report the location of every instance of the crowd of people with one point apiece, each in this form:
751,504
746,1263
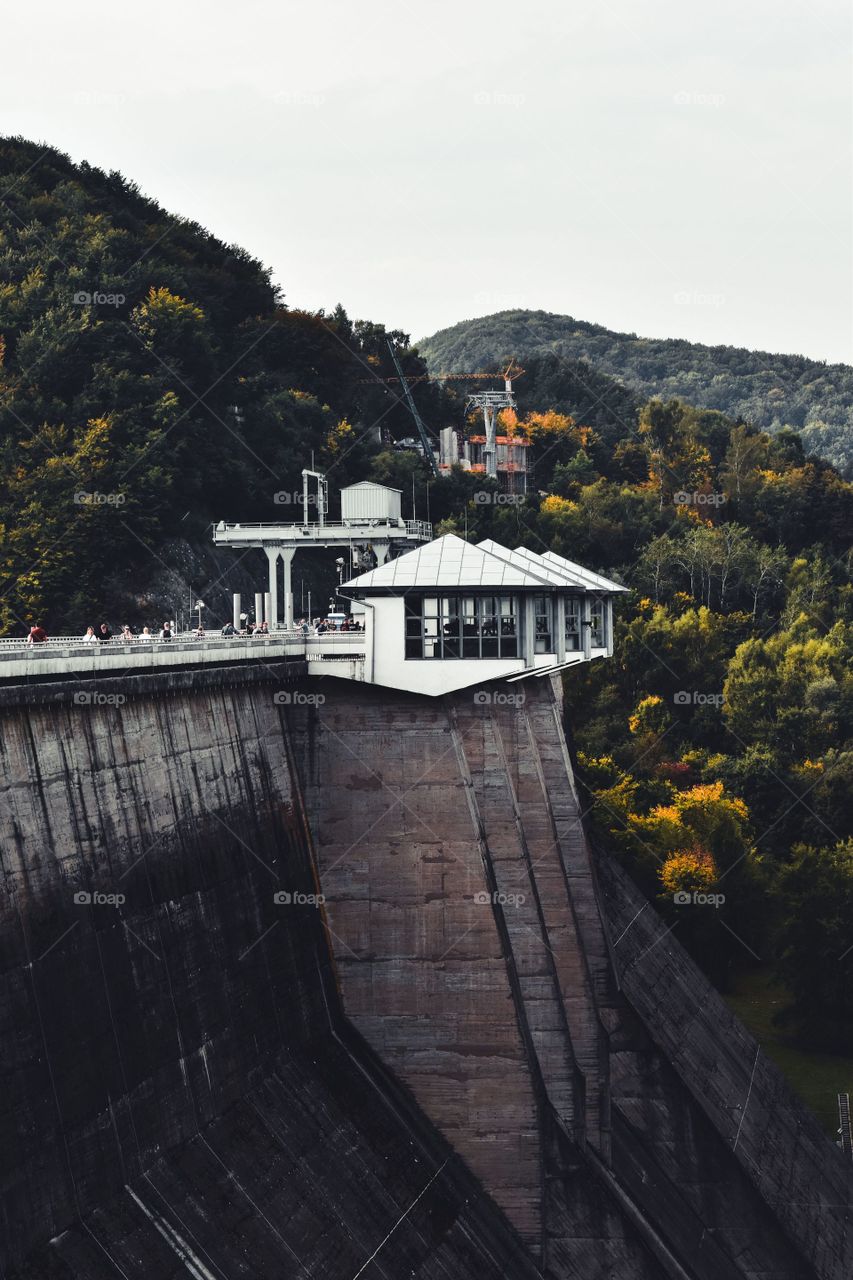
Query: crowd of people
167,631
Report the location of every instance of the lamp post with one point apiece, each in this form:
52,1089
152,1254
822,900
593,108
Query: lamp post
199,606
341,563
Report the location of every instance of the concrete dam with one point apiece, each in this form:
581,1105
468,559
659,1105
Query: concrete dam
304,977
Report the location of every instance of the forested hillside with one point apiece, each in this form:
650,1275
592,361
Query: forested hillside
717,746
770,391
152,381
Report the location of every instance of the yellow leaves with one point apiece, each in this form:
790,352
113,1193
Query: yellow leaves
545,428
651,716
556,506
340,438
703,817
162,301
32,281
688,871
707,791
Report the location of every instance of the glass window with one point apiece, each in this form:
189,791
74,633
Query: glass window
460,626
542,635
597,621
573,623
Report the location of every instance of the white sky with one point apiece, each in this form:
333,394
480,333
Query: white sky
679,170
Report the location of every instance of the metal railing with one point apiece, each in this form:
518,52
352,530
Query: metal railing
294,641
415,528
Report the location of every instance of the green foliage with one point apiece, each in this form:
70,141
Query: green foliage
716,745
145,362
816,891
770,391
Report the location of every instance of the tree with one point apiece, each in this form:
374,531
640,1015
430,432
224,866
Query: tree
816,963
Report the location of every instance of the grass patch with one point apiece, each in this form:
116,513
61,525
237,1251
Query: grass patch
817,1077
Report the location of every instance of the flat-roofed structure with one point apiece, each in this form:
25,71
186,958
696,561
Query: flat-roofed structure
371,529
450,615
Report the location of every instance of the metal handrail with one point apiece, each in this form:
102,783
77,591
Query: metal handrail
183,641
367,522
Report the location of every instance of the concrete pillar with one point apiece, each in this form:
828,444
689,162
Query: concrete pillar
560,628
267,610
528,628
235,616
586,627
259,606
608,625
287,554
382,551
272,557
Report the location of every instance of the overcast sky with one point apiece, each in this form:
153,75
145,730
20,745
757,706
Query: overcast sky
666,168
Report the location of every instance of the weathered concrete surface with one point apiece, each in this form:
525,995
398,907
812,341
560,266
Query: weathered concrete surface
183,1090
472,954
185,1043
311,1174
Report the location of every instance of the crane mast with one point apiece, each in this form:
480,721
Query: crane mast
413,409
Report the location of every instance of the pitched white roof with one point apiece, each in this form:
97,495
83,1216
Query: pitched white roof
448,562
370,484
572,574
549,576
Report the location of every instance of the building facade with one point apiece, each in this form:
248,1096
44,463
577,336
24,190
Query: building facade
450,615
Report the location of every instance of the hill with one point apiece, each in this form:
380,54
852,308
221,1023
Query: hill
152,381
770,391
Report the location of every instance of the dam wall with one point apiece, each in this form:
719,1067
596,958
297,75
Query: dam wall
299,976
179,1087
483,957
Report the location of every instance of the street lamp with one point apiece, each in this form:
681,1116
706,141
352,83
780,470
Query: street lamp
199,606
341,563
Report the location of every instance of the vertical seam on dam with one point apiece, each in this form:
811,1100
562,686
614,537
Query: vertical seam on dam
540,1092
